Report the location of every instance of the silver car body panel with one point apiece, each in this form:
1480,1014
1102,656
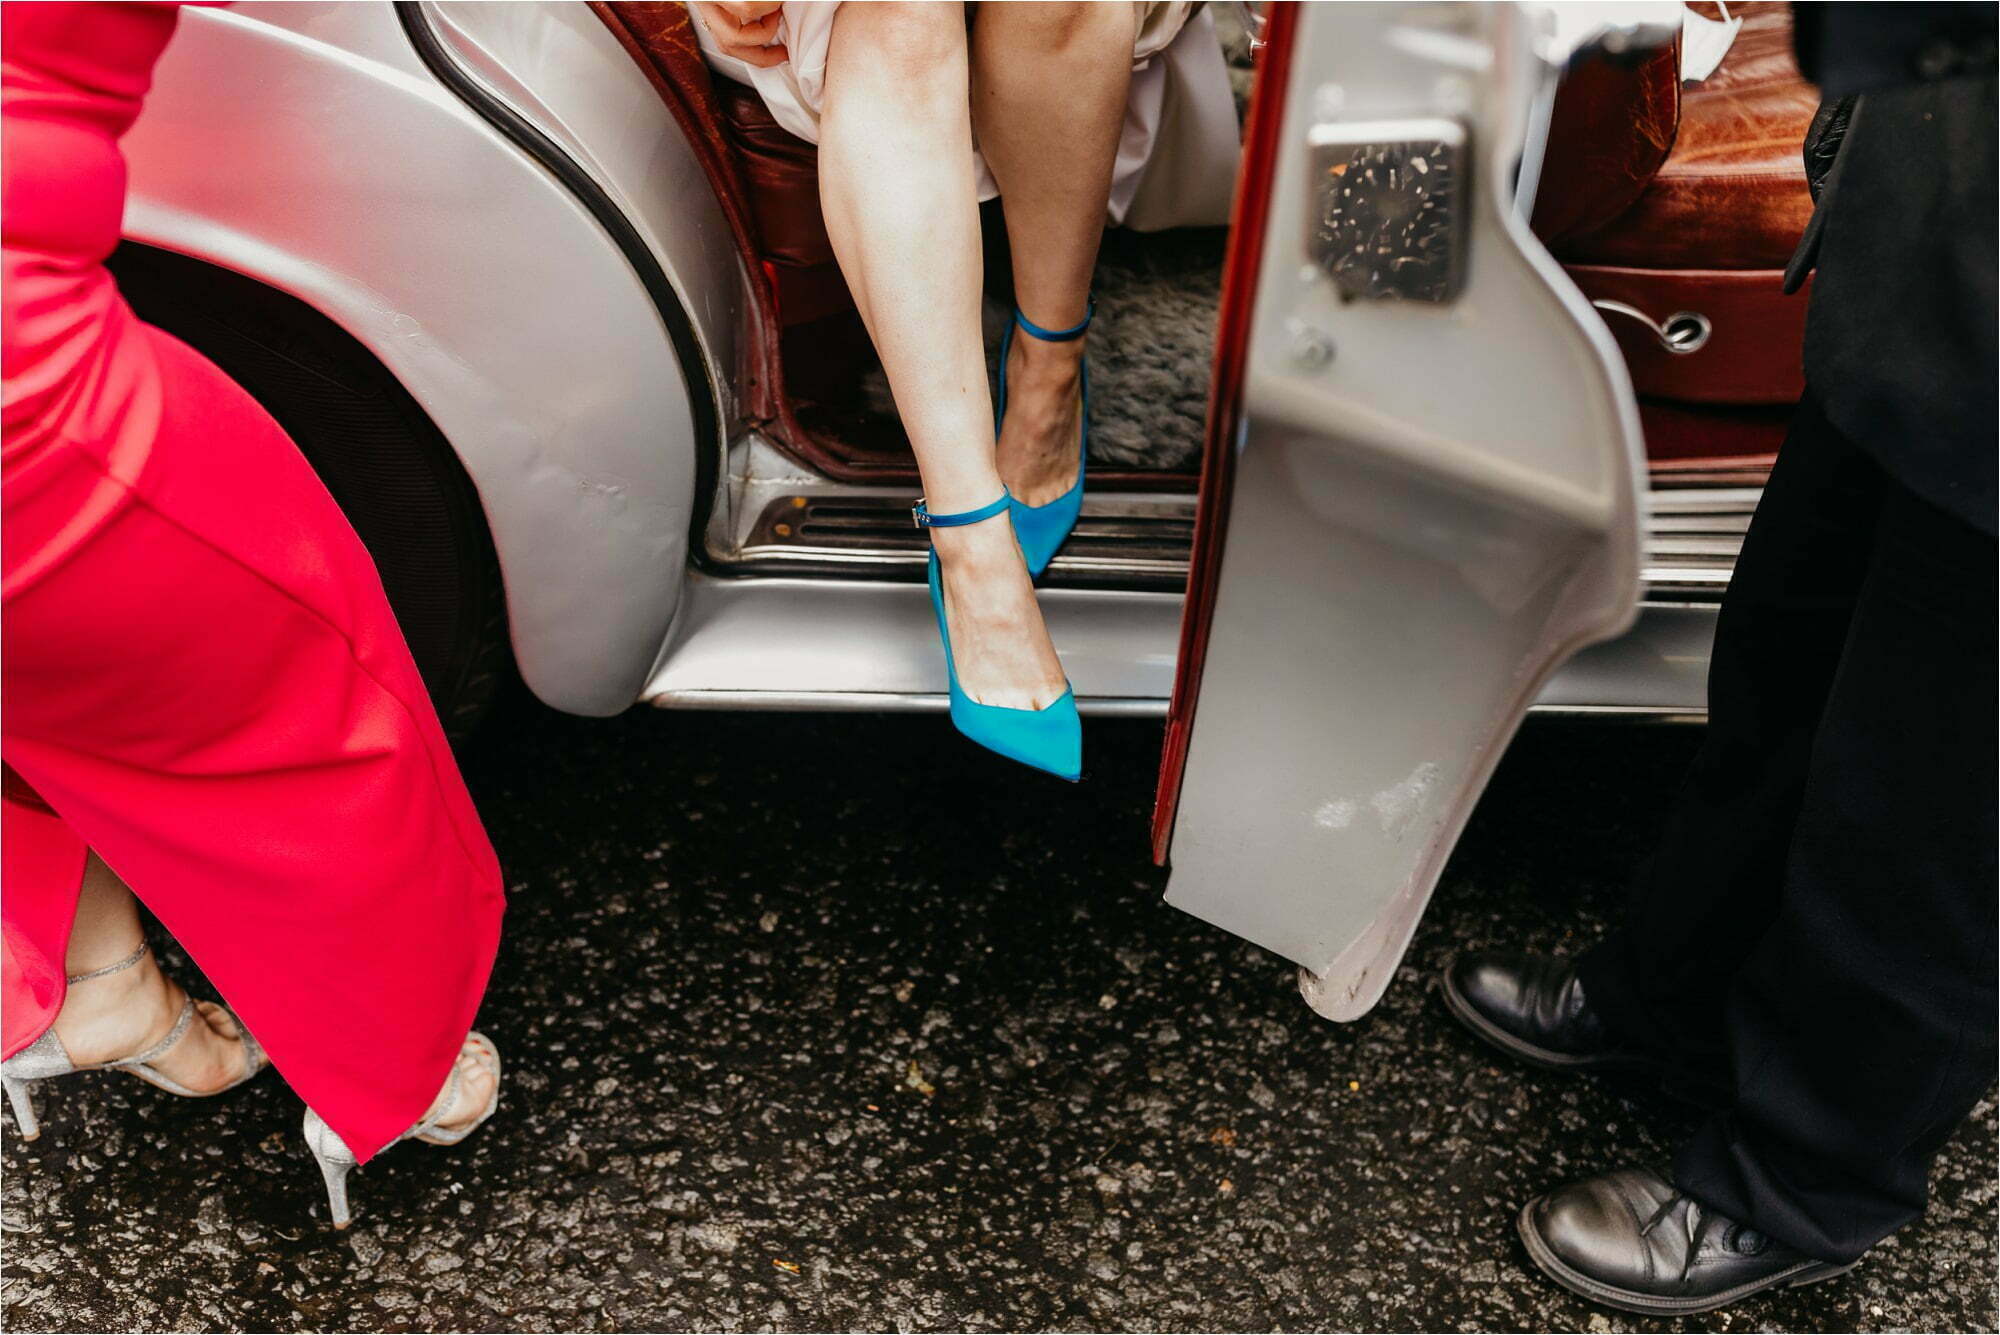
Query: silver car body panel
1422,527
356,182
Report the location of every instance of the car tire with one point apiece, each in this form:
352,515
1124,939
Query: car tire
387,466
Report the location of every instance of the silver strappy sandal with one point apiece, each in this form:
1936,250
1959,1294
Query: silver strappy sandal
336,1161
45,1058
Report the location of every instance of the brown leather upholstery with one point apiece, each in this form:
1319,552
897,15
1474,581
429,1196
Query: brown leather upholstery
781,176
1697,215
1687,438
1753,355
1609,134
781,173
1732,194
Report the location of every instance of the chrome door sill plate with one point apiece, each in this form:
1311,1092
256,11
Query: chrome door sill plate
1694,526
1135,540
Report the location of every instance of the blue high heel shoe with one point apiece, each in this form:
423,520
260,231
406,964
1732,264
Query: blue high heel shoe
1049,738
1042,529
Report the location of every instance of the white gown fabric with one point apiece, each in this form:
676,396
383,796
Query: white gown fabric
1177,153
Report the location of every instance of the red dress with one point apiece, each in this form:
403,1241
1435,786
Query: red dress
202,677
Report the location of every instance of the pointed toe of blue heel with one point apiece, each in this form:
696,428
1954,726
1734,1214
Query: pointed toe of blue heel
1049,738
1042,529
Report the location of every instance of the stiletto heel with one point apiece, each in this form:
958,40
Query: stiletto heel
46,1058
1049,738
334,1166
336,1161
1042,529
23,1104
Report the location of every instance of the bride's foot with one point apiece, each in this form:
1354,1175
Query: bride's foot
122,1014
1042,428
999,644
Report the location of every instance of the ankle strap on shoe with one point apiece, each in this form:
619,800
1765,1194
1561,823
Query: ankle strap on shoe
182,1023
120,967
920,513
1058,335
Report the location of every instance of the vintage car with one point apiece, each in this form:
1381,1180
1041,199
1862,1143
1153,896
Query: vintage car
1499,361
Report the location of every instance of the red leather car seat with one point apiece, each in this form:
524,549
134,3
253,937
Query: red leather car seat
1671,199
781,173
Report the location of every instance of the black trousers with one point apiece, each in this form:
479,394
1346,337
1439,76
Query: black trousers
1814,942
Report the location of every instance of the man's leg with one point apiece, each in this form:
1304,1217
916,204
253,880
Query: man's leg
1861,1028
1860,1025
1710,891
1652,993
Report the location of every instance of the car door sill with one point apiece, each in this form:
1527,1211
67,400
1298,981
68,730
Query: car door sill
795,643
806,527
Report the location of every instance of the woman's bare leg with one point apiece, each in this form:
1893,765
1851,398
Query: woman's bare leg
1049,83
124,1013
900,198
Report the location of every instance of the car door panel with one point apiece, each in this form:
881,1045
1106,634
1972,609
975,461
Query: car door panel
1430,494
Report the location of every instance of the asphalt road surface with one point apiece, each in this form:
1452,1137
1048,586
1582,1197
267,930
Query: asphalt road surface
835,1023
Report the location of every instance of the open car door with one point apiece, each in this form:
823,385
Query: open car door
1421,493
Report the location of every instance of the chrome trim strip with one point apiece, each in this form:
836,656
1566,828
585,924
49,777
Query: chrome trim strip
1619,713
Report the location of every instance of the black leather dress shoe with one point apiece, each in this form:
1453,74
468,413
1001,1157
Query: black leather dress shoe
1533,1007
1630,1240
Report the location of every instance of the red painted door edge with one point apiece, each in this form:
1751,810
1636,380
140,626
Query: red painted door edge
1249,216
